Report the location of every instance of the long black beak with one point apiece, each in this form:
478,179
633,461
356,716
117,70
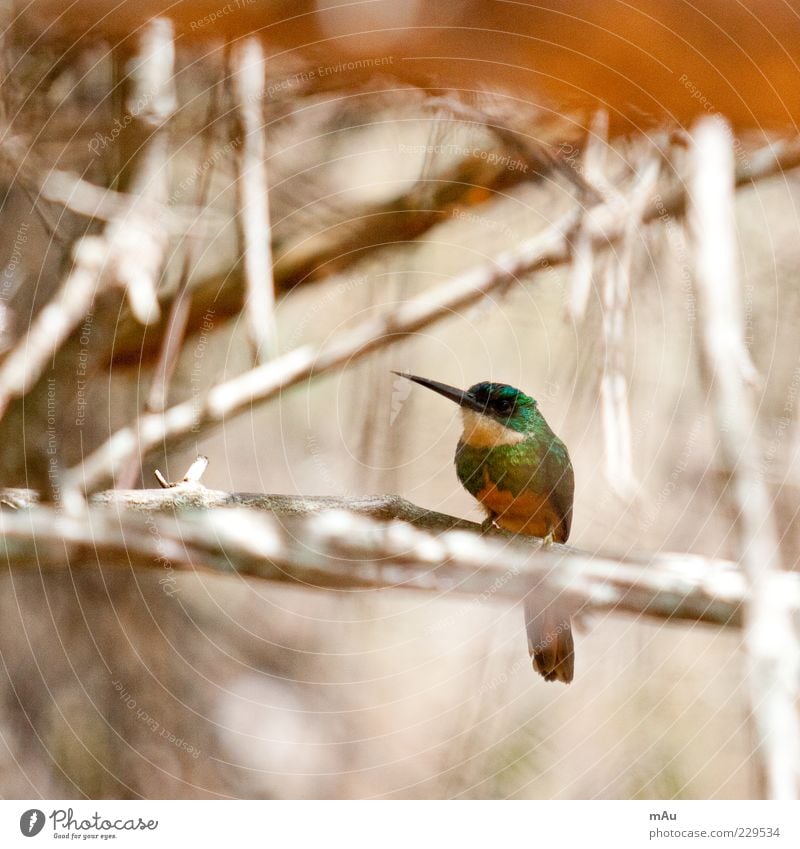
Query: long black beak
462,398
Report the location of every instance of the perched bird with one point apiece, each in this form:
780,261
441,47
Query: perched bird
520,472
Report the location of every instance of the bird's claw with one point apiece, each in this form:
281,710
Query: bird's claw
488,525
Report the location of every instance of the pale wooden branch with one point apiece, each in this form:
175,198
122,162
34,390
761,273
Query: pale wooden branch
103,204
175,330
253,218
772,644
377,542
593,168
152,102
616,295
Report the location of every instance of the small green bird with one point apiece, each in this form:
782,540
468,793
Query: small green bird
520,472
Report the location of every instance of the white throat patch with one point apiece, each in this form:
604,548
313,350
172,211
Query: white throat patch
481,431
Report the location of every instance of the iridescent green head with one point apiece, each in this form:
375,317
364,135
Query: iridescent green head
486,404
506,404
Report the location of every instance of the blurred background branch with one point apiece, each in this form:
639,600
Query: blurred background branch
770,637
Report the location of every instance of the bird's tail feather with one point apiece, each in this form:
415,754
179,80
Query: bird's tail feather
550,642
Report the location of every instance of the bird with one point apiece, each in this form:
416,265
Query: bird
509,459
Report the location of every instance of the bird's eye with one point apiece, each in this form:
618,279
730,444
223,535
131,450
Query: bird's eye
504,406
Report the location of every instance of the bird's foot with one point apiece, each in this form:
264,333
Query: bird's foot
488,525
548,540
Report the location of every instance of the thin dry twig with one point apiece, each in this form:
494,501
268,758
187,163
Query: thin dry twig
98,202
593,168
773,650
616,295
249,84
193,474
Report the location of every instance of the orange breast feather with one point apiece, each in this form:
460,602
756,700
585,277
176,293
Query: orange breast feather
527,513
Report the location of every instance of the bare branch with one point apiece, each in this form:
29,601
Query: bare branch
175,330
593,167
104,204
252,187
773,651
192,476
310,543
616,295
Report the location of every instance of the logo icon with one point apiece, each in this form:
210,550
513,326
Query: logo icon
31,822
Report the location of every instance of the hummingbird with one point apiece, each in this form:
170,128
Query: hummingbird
510,460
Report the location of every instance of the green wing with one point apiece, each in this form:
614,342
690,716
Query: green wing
538,464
